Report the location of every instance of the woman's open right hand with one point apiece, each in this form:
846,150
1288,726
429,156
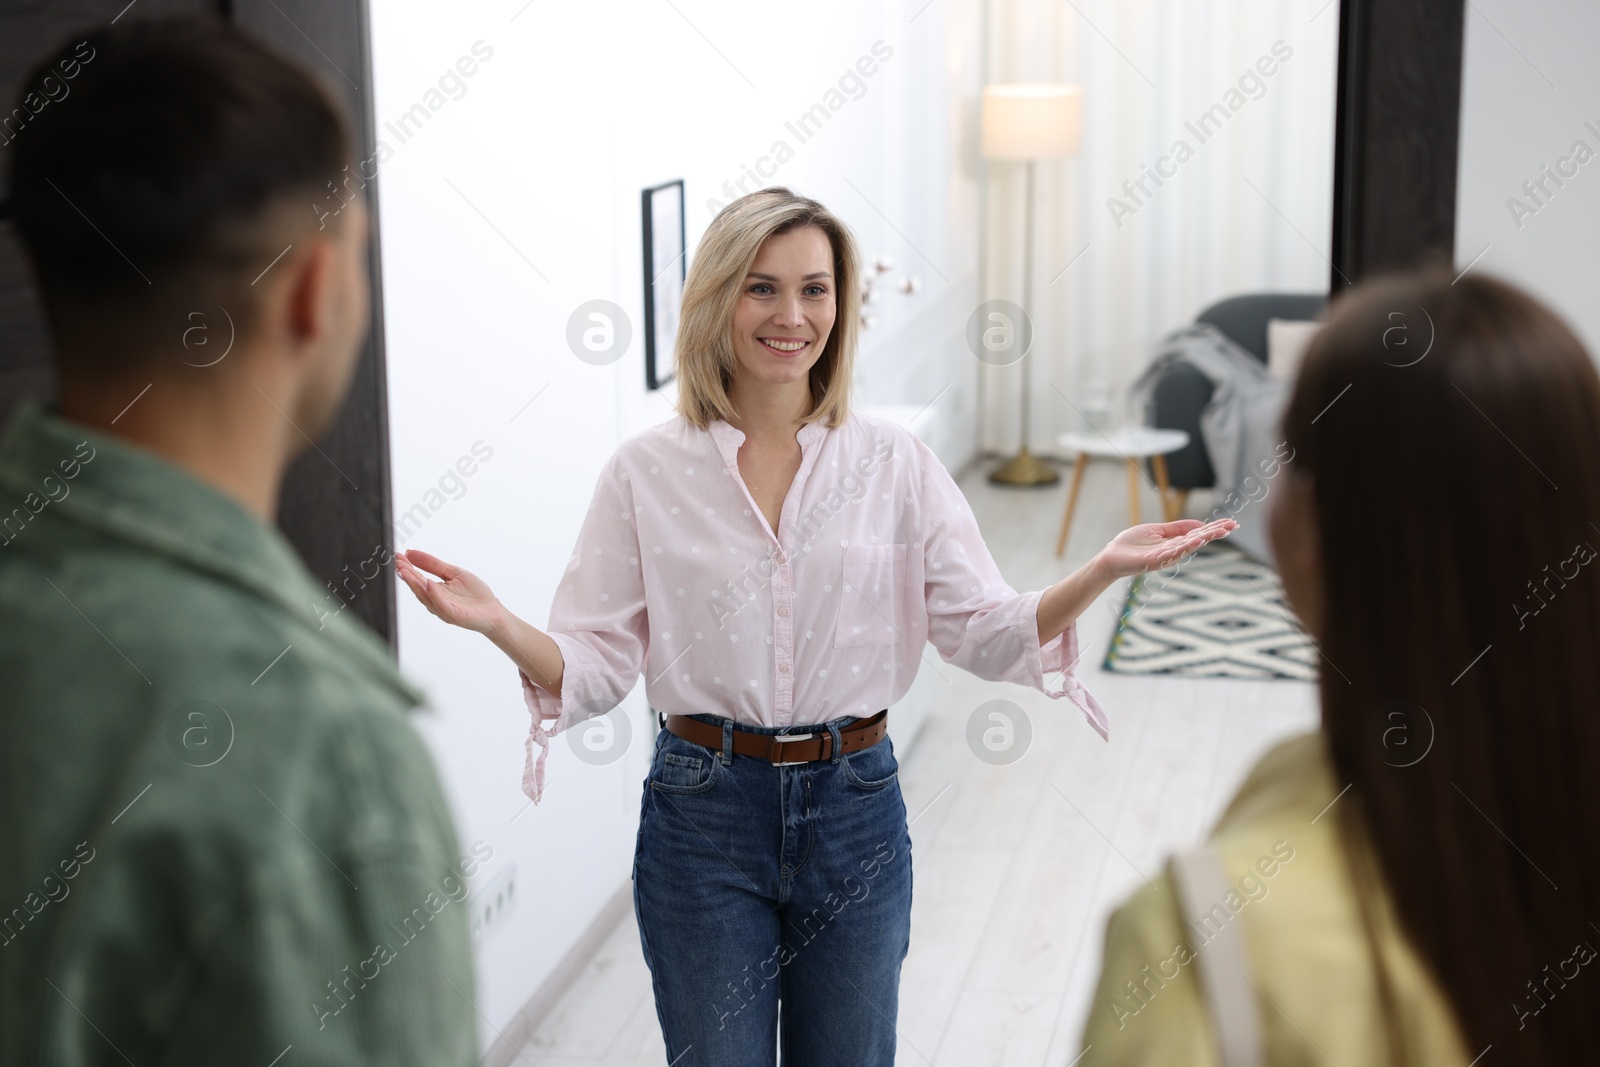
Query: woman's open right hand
460,598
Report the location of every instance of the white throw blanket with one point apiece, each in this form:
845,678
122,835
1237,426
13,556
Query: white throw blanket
1239,425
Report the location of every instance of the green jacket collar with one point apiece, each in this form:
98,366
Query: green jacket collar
135,497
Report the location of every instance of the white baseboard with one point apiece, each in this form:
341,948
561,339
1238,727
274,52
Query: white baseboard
505,1049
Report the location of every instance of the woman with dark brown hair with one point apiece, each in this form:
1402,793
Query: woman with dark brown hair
1416,882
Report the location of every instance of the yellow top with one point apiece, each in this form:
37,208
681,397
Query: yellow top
1309,956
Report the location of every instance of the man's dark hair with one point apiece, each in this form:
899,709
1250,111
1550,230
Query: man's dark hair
165,176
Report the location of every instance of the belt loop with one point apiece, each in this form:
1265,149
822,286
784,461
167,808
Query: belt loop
727,742
838,743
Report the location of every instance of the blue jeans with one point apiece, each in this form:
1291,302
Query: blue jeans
765,892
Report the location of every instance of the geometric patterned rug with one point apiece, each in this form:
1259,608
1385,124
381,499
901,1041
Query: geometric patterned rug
1222,616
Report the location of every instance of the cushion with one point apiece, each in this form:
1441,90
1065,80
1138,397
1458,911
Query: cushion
1286,344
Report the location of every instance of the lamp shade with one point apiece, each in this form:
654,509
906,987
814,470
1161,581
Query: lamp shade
1031,120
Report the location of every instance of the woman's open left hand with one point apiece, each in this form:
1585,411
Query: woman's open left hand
1155,545
460,599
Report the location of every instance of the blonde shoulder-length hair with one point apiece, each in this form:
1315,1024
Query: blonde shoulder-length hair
704,349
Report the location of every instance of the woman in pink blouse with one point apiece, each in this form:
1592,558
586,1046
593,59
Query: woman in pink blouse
775,564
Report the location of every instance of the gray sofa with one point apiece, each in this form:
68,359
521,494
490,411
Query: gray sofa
1183,392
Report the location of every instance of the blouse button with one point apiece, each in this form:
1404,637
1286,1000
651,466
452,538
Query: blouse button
784,667
784,612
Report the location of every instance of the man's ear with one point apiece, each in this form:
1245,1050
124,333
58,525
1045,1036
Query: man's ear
311,293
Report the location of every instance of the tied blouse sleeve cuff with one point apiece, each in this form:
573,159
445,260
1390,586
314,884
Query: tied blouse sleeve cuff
542,707
1060,655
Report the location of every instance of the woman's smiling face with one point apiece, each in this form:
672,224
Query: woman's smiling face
786,311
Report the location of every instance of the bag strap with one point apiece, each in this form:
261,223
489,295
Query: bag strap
1223,958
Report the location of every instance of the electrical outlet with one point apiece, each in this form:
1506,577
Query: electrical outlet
493,904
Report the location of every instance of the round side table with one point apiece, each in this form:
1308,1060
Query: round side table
1131,445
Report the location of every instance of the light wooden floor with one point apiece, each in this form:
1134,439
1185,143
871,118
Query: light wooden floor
1016,867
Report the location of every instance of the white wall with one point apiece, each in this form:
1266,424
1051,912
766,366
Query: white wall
518,201
1529,86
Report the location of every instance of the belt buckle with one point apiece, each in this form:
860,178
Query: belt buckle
790,737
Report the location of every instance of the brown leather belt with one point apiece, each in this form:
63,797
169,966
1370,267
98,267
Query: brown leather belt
783,750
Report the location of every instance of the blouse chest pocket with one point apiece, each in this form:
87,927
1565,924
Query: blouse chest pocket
872,600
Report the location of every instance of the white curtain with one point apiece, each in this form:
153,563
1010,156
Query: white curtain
1246,206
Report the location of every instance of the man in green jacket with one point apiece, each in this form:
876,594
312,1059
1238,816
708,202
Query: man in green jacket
221,841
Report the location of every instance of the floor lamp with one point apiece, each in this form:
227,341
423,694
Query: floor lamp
1029,122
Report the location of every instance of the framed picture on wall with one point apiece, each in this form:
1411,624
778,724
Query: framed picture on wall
664,273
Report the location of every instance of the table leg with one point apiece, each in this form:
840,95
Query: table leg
1072,501
1133,492
1159,462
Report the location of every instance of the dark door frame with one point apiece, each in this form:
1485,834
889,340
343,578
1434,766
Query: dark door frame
1396,134
337,501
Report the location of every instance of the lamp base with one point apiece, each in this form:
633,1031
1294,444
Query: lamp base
1024,468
